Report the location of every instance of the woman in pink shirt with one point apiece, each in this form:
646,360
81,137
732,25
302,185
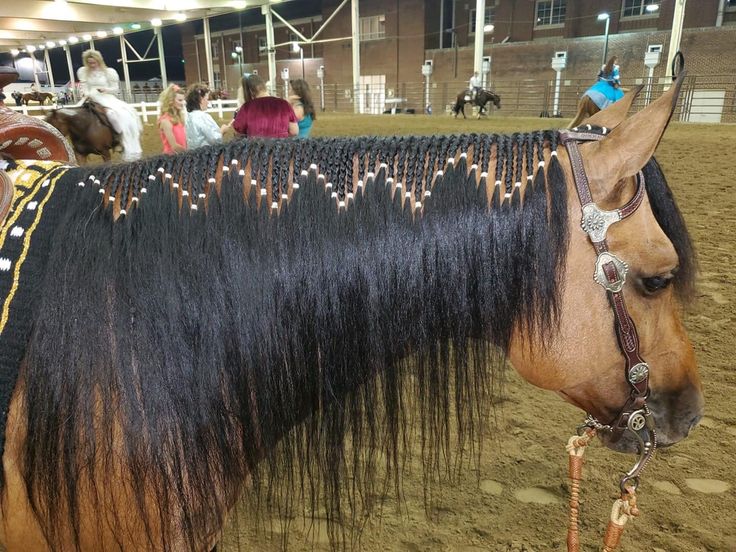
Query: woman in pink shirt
171,122
262,115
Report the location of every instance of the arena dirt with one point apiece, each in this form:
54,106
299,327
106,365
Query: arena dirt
517,501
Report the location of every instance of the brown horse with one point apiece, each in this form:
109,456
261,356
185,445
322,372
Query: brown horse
586,109
40,97
88,129
200,320
481,100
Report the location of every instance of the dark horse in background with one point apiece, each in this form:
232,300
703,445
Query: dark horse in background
88,129
202,326
481,100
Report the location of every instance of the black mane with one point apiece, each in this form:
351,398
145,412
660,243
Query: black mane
225,341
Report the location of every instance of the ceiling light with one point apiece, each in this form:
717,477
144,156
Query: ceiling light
180,16
135,26
62,42
73,40
238,5
50,44
41,47
101,34
488,28
87,37
156,22
14,52
118,30
30,48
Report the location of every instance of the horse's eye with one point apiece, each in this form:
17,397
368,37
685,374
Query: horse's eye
656,283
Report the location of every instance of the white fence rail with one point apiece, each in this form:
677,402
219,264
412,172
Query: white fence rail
145,110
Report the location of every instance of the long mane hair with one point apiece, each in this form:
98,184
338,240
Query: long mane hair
218,331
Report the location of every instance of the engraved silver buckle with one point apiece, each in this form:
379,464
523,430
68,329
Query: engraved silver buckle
638,372
621,269
596,221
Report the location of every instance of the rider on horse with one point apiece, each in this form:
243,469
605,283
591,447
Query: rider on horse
608,88
474,85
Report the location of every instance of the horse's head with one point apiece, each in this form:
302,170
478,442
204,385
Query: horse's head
582,360
495,98
56,119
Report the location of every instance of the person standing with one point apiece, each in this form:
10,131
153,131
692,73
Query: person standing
301,102
262,115
100,84
201,128
171,122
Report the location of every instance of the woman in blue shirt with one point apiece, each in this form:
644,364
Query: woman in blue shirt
301,101
608,88
201,128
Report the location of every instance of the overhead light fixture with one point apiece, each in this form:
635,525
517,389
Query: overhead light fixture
156,22
118,30
87,37
14,52
101,34
135,26
651,8
180,16
238,5
41,47
50,44
488,28
62,42
603,16
73,40
31,48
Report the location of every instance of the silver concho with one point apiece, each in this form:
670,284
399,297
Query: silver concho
638,372
621,269
637,421
596,221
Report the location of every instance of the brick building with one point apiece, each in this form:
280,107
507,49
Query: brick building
397,36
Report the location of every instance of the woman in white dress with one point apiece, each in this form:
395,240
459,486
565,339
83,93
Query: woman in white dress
100,84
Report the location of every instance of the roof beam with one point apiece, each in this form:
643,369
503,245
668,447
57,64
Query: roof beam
40,25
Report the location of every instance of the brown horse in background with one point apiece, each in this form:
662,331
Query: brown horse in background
88,129
39,97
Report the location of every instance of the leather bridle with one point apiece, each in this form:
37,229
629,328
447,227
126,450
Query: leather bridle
610,272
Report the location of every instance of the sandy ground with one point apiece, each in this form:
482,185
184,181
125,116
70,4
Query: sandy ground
517,501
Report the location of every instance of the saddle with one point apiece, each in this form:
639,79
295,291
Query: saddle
98,111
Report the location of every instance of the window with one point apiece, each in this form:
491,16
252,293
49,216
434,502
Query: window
637,8
373,27
731,5
218,80
550,12
487,20
262,45
215,49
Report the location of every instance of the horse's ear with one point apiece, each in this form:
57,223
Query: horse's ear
632,143
612,116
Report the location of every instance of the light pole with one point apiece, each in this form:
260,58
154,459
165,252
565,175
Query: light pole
238,54
607,18
488,29
295,47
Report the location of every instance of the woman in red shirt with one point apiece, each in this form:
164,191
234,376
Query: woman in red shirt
264,116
